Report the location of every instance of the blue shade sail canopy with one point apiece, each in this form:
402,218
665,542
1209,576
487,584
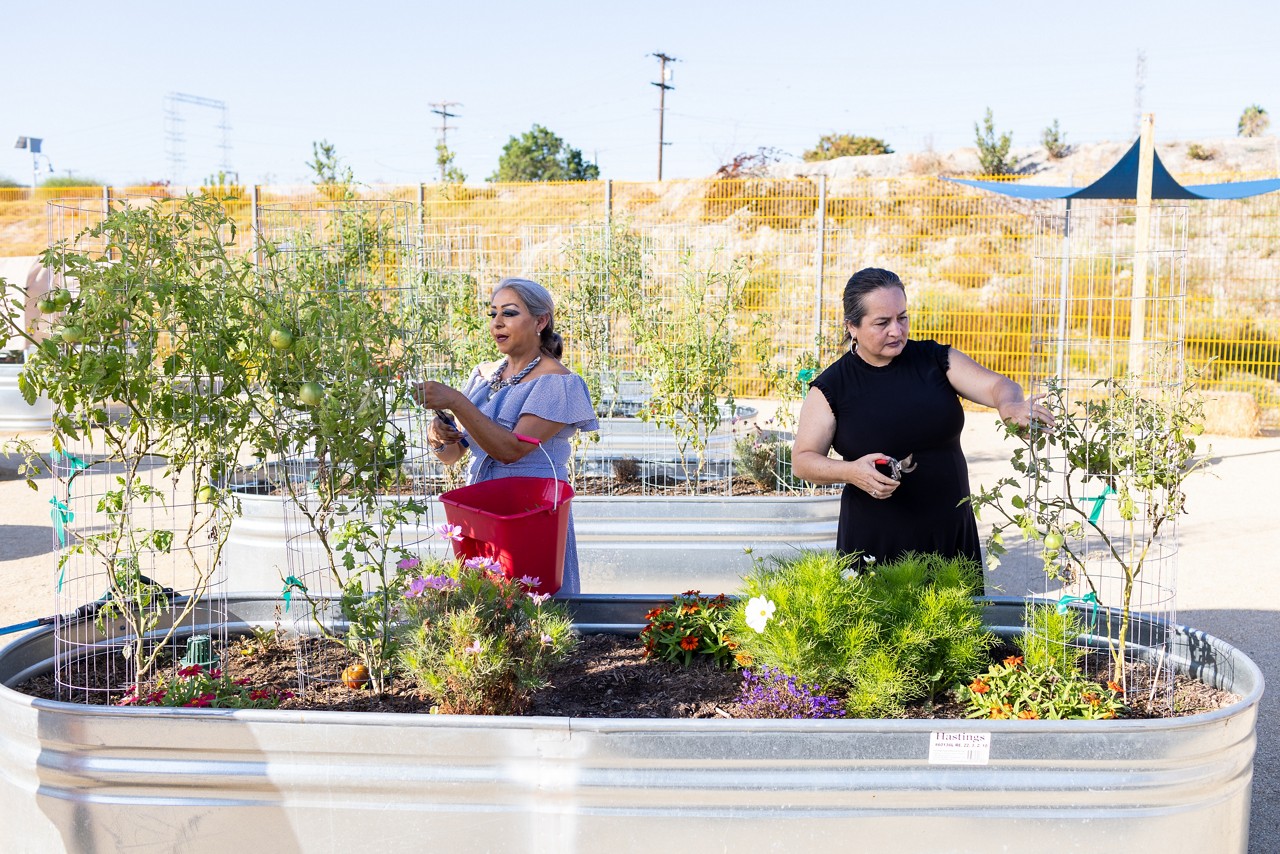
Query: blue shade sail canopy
1121,182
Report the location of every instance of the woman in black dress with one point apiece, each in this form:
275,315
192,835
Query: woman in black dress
893,399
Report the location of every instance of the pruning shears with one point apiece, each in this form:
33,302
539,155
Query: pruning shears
890,467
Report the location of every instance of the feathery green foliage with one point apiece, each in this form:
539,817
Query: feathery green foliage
880,636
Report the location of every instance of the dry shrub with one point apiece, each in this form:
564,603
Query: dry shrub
1232,413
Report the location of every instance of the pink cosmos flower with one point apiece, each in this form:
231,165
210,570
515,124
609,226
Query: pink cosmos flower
449,532
407,563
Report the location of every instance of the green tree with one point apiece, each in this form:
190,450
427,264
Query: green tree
72,181
1253,121
833,145
1054,142
540,155
993,151
334,179
449,174
7,183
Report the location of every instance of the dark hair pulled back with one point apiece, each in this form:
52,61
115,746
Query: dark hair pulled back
541,304
859,285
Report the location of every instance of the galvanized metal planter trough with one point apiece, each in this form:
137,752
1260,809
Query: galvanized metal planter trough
626,544
78,778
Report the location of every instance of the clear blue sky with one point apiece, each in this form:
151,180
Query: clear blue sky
91,77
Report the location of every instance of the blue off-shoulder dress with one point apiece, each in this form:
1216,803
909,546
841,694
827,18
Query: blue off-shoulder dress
562,398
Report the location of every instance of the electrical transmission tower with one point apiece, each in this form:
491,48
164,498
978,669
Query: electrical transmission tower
664,76
1139,83
175,138
441,109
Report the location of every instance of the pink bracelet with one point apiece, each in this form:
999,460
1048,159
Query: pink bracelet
529,439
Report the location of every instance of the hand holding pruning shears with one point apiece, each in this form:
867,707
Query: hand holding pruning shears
879,475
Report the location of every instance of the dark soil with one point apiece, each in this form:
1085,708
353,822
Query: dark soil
606,677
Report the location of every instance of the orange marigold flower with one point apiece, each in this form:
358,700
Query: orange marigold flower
977,686
689,642
731,644
1028,715
1092,699
1013,661
1116,687
689,609
998,712
744,659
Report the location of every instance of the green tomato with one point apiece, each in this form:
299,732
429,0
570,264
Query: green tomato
281,339
311,393
207,494
46,305
1052,541
73,334
60,297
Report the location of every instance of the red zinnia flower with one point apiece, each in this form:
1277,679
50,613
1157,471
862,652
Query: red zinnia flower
688,609
654,614
190,670
259,694
1115,687
689,643
690,593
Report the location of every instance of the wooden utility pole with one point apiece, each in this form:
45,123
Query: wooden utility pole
1141,247
663,76
441,109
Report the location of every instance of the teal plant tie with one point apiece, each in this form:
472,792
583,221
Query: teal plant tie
806,375
1098,501
289,584
74,463
1090,599
61,515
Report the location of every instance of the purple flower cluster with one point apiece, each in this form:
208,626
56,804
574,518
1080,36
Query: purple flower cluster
770,693
421,585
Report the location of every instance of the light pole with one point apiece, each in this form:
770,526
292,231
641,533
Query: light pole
32,144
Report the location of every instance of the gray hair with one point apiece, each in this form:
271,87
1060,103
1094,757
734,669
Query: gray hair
540,304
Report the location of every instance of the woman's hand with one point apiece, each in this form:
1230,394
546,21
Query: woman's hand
434,395
1024,412
869,479
441,432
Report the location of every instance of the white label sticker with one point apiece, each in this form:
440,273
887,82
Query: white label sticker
959,748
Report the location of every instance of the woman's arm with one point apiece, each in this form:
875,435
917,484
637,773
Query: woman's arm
809,459
983,385
498,442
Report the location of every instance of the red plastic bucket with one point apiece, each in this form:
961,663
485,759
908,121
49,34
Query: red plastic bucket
521,522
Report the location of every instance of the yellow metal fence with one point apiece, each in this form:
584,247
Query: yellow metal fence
966,256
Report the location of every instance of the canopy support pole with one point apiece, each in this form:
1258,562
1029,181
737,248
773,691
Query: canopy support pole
1064,288
1141,248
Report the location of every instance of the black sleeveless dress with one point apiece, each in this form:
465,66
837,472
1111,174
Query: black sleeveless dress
906,407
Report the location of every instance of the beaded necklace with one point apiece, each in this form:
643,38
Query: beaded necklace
496,381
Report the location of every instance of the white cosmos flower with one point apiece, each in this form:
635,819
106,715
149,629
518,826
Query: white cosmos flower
759,610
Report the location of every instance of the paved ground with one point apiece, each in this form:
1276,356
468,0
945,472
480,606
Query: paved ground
1229,556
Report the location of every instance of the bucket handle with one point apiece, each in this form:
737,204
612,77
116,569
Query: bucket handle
538,443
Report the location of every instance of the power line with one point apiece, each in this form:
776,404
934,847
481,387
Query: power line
664,74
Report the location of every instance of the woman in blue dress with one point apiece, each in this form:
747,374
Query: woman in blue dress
526,393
